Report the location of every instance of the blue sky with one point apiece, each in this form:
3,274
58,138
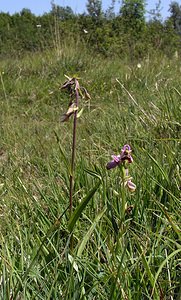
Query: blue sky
39,7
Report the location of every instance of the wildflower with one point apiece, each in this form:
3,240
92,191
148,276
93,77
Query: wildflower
128,182
71,85
125,155
129,209
71,109
120,160
131,186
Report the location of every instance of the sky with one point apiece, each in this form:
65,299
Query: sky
39,7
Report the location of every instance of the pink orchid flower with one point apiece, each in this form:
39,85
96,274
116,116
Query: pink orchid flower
125,155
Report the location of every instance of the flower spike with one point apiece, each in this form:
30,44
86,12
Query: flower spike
120,160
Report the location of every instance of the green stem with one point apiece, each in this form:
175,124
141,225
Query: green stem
123,197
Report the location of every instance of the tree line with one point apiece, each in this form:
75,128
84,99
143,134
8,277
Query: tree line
127,33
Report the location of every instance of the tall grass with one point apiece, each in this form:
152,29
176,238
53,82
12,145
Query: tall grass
130,104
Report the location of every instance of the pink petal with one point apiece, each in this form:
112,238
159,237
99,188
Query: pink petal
112,164
131,186
116,158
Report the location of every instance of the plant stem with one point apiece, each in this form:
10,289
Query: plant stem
73,146
123,194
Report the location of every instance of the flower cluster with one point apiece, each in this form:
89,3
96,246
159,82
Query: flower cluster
75,91
120,160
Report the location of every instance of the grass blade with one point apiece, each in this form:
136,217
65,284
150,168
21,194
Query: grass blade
163,264
89,232
76,214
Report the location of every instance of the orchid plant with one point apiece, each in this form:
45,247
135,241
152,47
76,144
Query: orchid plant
75,91
122,161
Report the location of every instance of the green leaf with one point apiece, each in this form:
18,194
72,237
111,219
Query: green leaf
93,173
89,232
159,167
147,269
173,225
76,214
162,265
80,113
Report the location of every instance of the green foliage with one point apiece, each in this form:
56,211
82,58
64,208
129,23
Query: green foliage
156,12
94,8
133,14
126,35
62,13
139,104
110,14
175,10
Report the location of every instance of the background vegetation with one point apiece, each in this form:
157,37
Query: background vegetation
134,83
126,34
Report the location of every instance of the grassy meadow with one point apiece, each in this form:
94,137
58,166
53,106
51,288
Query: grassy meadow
105,251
